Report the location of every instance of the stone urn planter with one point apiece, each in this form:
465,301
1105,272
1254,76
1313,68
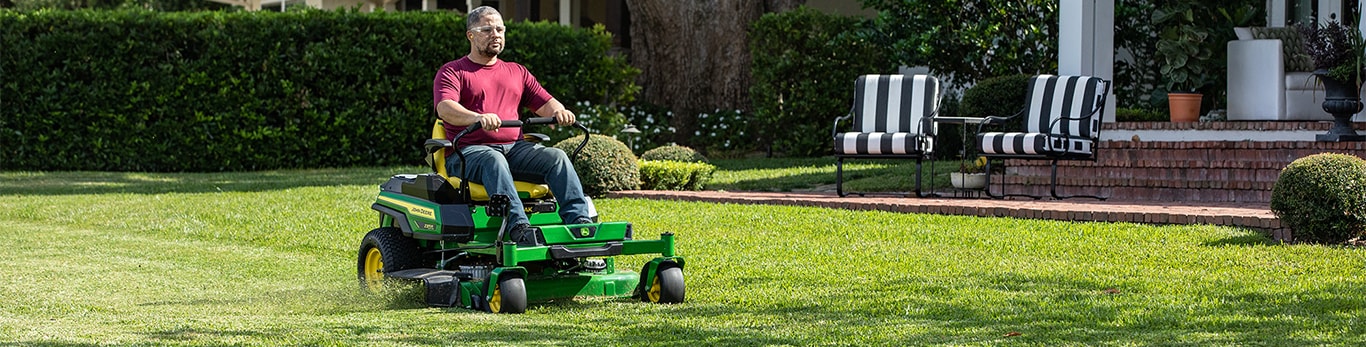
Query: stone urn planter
968,180
1342,99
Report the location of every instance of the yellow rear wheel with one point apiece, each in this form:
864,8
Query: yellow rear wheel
382,251
373,270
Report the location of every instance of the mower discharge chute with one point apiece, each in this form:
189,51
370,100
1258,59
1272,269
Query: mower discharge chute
451,238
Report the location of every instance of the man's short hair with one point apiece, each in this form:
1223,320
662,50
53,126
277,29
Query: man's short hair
477,13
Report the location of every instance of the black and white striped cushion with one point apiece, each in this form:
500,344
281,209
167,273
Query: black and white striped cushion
882,143
1054,97
888,115
894,103
1031,144
1013,143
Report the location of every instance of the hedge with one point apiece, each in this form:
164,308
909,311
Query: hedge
215,91
674,175
804,66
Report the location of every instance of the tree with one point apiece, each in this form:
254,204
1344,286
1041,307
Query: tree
973,39
693,55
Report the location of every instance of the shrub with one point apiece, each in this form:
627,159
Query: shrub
674,175
674,153
605,165
1322,197
804,66
216,91
1139,115
997,96
1001,96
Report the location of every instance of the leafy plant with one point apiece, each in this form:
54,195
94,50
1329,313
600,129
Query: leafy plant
1335,47
1181,48
972,167
605,164
1322,197
972,39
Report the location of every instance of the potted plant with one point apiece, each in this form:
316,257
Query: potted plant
1182,55
1337,51
970,175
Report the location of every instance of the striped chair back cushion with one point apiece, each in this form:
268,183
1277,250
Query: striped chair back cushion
894,103
1054,97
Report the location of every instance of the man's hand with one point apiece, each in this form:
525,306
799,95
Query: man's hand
564,117
488,121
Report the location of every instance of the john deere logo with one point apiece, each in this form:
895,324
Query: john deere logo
583,232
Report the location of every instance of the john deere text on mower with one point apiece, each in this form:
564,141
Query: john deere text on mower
448,234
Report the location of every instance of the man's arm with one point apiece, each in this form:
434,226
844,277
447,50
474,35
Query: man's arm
553,108
456,114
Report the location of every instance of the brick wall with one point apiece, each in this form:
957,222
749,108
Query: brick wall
1204,171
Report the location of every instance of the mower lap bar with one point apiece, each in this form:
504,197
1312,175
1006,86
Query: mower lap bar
607,250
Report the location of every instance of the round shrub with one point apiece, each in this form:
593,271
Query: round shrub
1002,96
605,165
674,153
1322,197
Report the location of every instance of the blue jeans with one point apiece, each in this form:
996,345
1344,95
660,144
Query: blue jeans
496,166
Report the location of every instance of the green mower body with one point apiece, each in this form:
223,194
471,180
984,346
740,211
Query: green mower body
431,231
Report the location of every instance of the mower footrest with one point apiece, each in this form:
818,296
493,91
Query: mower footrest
443,286
562,252
425,273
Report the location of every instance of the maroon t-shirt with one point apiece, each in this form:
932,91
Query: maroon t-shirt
501,88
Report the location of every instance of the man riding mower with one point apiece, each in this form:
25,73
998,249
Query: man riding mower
453,237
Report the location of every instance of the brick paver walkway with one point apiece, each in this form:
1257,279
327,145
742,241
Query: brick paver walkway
1227,214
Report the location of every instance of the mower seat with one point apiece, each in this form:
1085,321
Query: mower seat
525,190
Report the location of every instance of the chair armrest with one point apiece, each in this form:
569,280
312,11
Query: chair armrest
835,129
996,120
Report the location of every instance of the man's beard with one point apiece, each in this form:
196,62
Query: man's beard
490,51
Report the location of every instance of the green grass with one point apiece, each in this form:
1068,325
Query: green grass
268,258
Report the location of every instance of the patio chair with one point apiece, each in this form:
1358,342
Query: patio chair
1062,119
892,120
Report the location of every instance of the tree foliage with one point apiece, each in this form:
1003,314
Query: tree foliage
969,40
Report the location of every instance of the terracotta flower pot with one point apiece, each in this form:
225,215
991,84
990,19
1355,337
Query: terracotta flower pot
1185,107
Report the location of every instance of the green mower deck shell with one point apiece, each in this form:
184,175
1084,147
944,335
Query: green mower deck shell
605,284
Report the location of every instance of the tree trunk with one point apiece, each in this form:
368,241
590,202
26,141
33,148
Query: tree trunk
694,55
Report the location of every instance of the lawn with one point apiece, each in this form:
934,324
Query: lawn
268,258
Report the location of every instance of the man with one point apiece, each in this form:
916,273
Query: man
481,90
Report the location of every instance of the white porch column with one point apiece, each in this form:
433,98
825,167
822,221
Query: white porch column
565,13
1086,42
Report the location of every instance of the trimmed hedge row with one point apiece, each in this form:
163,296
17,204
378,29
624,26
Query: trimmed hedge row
674,175
216,91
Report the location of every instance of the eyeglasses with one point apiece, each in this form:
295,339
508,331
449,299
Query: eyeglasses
490,30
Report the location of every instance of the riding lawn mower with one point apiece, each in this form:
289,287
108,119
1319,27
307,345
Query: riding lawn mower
450,235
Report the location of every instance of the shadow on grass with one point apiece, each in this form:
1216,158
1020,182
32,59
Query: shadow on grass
1064,311
1248,239
80,182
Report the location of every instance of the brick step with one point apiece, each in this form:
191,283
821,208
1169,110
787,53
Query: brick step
1204,171
1255,195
